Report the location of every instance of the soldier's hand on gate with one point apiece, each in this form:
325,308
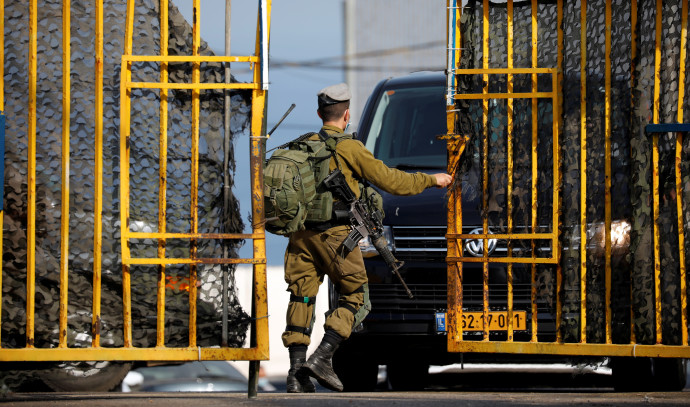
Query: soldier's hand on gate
443,180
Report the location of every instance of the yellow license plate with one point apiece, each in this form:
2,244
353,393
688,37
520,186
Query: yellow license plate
498,321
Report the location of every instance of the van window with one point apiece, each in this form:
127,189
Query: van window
405,126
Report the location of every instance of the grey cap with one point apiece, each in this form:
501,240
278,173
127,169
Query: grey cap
333,94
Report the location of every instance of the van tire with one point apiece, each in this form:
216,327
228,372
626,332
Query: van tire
631,374
408,376
85,376
648,374
355,372
669,374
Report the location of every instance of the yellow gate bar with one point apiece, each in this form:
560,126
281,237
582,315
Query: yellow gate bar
98,179
556,243
455,146
154,235
125,134
259,329
655,173
521,260
679,180
556,207
535,139
130,353
162,174
518,95
509,194
506,236
143,261
633,58
196,43
485,166
64,217
2,74
31,194
583,171
575,349
607,171
505,71
189,58
2,108
192,86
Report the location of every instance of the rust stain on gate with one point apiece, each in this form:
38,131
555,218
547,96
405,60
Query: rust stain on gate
578,143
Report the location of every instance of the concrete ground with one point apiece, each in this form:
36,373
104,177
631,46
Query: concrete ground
456,385
428,398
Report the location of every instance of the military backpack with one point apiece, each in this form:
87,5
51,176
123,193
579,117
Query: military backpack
293,194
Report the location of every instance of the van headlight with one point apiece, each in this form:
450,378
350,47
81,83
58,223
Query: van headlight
368,249
620,237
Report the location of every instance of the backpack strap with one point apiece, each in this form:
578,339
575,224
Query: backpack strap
330,141
298,139
331,144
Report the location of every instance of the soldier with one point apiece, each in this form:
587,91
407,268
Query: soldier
318,251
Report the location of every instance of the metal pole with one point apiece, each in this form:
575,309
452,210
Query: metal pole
257,154
226,175
350,47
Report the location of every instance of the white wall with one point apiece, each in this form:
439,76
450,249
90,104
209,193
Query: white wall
278,298
385,38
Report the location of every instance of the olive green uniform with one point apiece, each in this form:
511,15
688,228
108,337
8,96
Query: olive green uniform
311,254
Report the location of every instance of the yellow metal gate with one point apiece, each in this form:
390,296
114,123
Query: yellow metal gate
185,245
571,114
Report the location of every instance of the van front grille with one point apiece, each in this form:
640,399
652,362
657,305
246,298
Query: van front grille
428,244
420,243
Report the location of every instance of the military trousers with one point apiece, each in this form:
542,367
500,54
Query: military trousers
311,255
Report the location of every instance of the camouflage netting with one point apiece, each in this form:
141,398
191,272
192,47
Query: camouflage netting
631,155
144,181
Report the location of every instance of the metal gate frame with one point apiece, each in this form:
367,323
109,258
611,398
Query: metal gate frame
456,145
258,349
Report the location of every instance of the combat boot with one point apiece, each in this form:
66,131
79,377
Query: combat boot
297,379
320,367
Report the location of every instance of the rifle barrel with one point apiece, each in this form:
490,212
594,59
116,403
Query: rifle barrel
281,119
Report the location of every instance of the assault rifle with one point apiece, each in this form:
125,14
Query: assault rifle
365,223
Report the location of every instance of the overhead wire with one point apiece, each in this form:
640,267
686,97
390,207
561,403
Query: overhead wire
328,62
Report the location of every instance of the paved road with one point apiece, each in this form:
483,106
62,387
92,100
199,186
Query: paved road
482,386
428,398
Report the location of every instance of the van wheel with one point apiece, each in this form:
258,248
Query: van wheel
631,374
648,374
669,374
355,372
408,376
85,376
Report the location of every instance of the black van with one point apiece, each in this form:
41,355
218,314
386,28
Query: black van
400,124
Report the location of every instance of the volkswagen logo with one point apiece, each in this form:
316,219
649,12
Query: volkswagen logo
476,246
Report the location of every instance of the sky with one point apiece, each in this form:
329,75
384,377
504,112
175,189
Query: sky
301,30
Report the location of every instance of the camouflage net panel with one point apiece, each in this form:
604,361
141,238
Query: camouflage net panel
144,181
632,86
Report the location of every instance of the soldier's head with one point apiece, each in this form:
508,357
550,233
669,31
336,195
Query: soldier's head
334,105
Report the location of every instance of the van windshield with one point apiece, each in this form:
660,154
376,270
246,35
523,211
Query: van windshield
405,126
